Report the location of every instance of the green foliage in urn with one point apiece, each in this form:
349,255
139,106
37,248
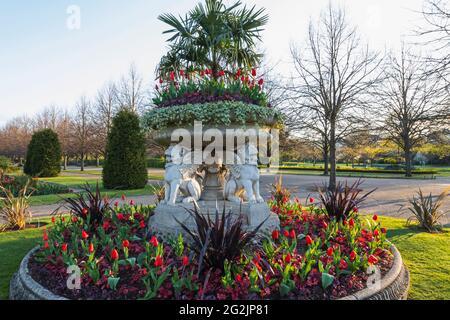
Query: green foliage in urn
125,162
43,155
216,113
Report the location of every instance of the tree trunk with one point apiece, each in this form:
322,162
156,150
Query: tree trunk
332,183
98,160
65,163
82,162
408,159
326,153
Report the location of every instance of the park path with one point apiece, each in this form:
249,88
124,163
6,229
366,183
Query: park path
387,200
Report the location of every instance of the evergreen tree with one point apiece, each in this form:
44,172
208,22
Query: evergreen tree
43,155
125,162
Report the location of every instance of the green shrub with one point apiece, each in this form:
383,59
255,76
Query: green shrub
158,163
5,164
125,161
43,155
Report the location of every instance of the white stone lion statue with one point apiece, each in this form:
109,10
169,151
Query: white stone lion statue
242,182
181,177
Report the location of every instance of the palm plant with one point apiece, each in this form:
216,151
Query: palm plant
15,209
213,36
223,239
426,211
342,201
89,205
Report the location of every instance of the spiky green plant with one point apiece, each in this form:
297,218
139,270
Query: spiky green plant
426,211
14,210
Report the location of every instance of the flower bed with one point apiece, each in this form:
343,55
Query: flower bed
200,86
311,257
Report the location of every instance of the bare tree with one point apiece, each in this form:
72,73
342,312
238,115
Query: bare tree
436,36
412,104
48,118
130,91
82,128
65,130
103,111
334,74
14,138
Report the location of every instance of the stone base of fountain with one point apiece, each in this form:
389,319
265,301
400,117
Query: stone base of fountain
167,218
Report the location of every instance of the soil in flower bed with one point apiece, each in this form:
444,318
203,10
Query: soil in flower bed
54,278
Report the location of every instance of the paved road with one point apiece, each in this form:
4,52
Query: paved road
390,196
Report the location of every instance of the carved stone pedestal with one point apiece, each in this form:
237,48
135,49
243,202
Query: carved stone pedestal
164,221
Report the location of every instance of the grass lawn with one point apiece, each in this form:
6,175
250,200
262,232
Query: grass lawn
427,257
74,182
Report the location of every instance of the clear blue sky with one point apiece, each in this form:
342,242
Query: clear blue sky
42,62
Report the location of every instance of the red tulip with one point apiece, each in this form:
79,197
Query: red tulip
123,197
275,234
311,200
84,235
142,224
64,247
154,241
375,217
353,256
91,248
106,225
185,261
238,278
343,264
114,255
286,234
116,204
292,234
120,216
238,73
45,236
309,240
376,233
161,81
131,203
355,210
221,73
84,211
372,259
261,82
45,244
74,219
330,252
242,79
351,223
53,220
172,76
288,258
384,230
125,243
254,72
181,73
158,262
